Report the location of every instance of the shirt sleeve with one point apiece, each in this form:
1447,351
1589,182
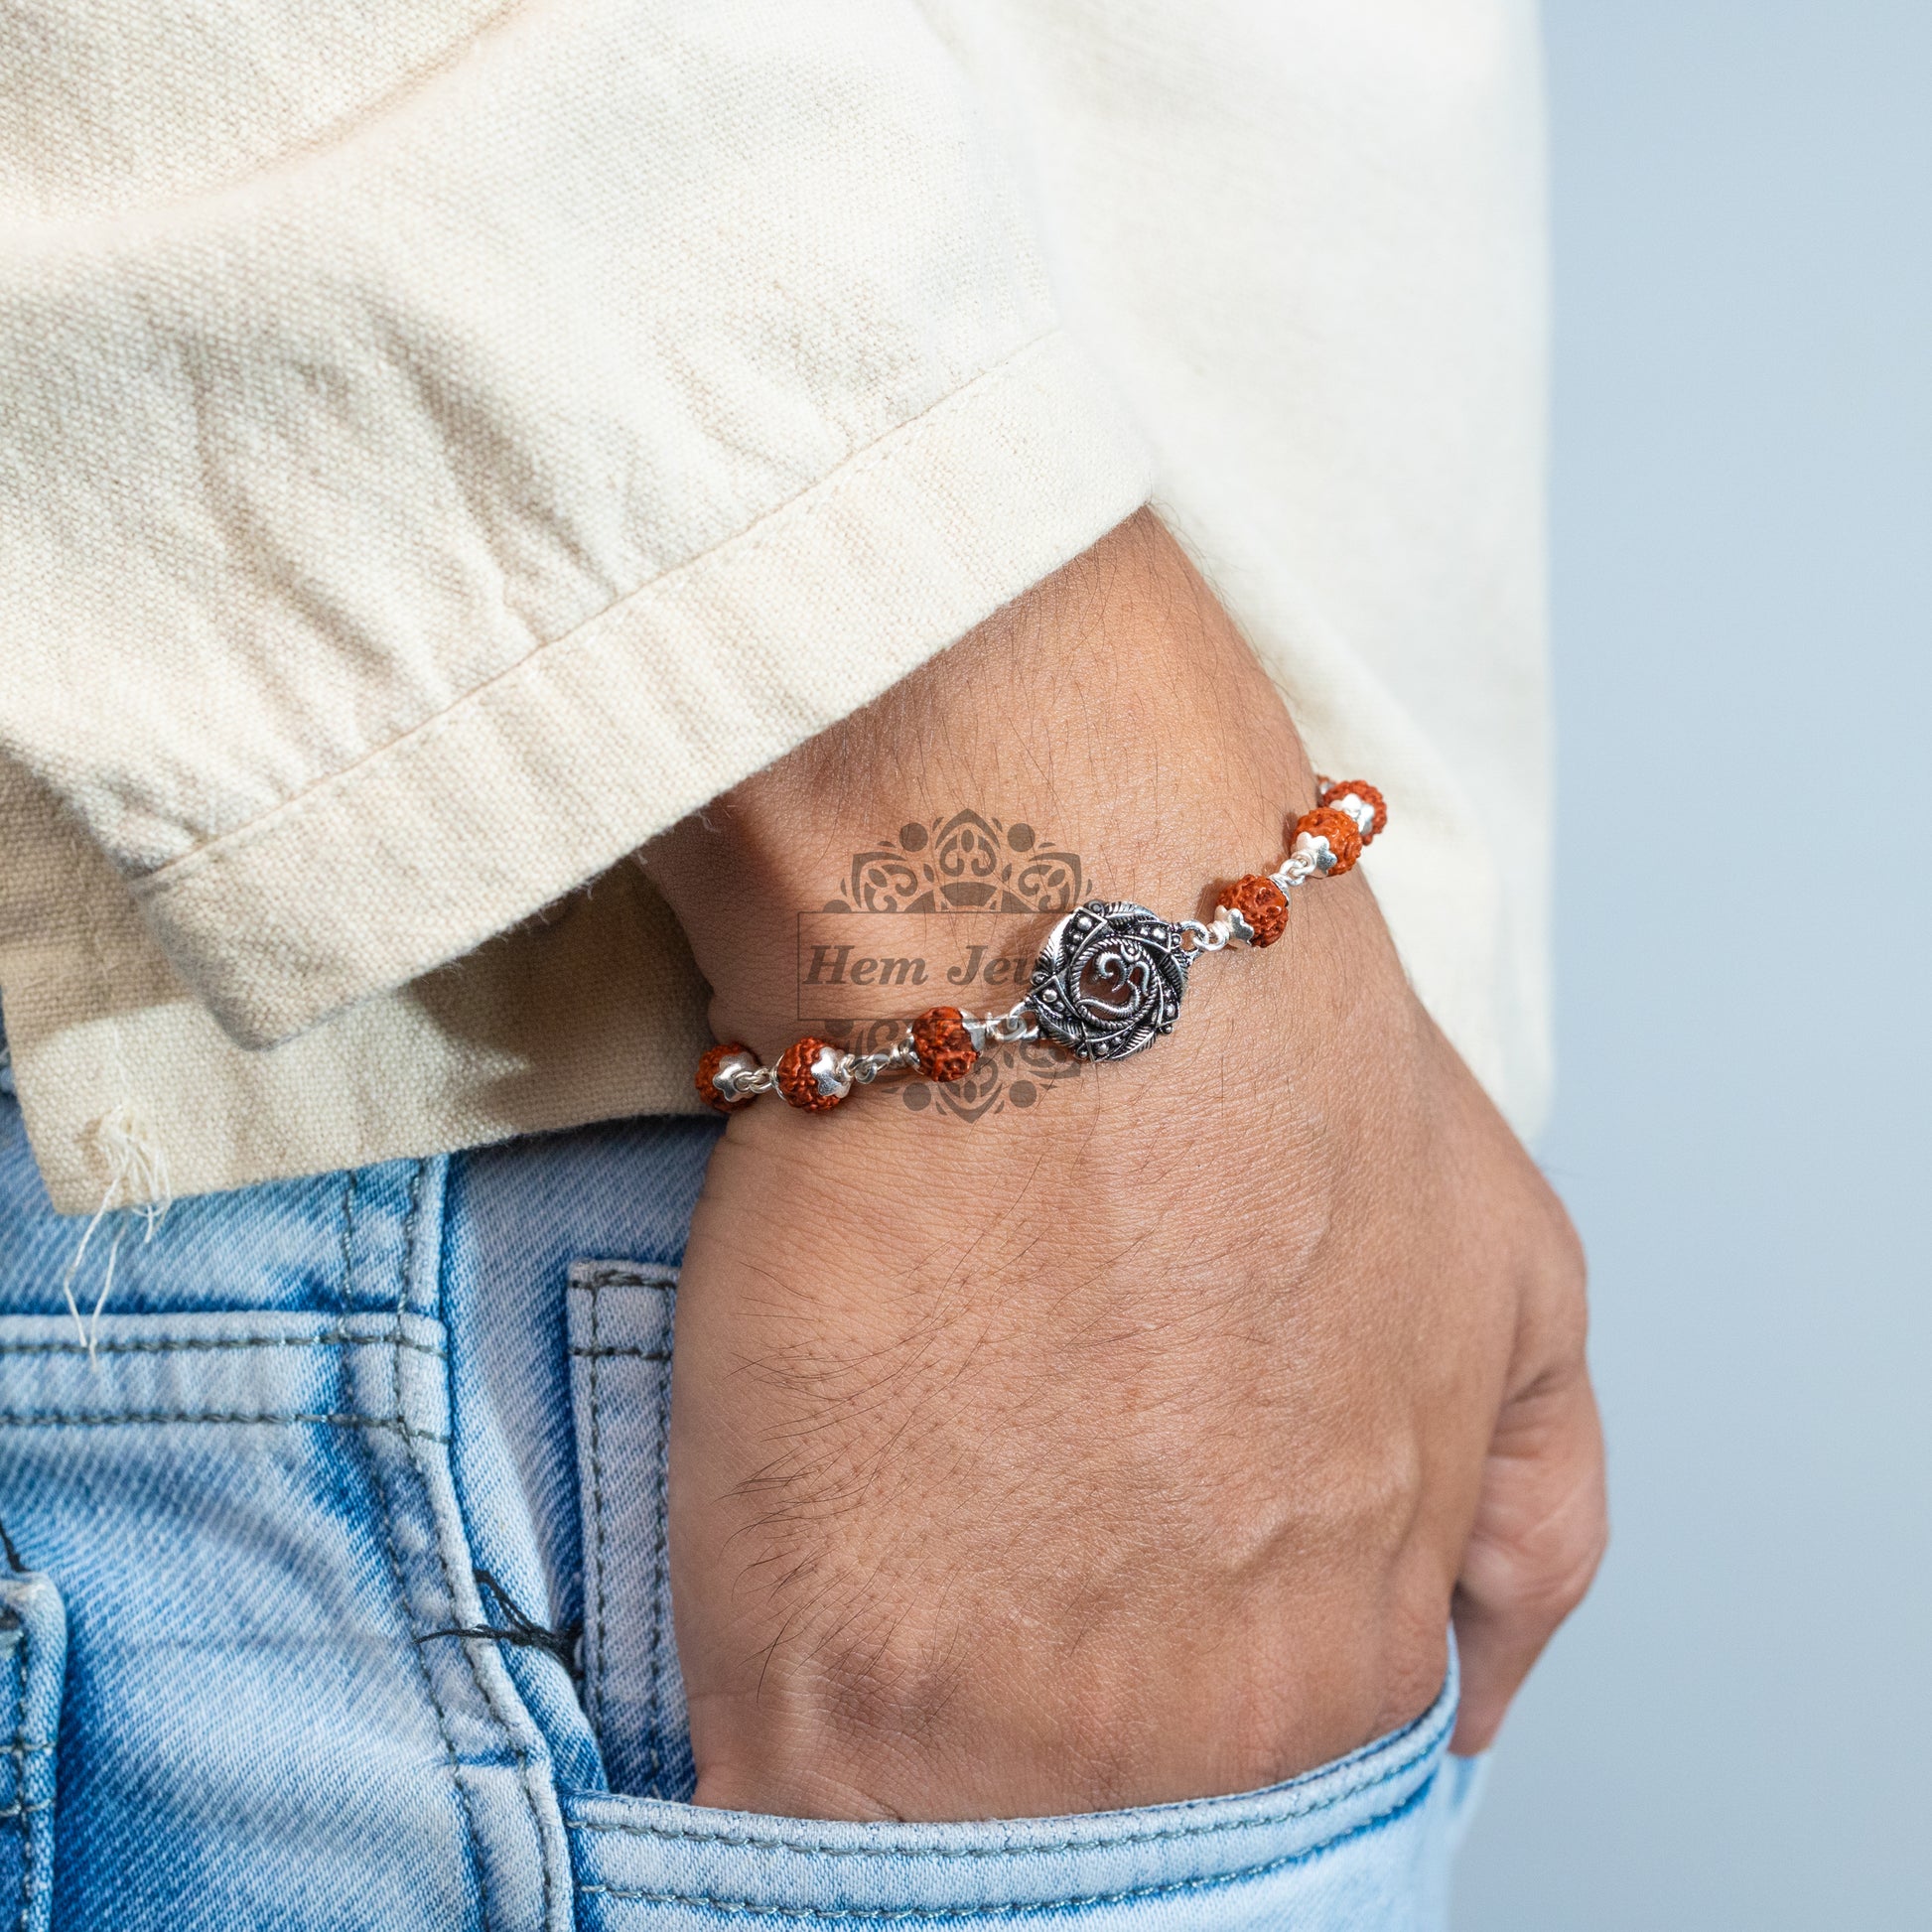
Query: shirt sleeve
404,519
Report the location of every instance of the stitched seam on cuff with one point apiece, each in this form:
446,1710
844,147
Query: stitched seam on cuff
741,545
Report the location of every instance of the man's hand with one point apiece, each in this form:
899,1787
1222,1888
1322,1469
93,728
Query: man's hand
1137,1445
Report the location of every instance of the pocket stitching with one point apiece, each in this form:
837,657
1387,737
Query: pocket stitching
1017,1908
75,1419
384,1335
525,1762
659,1583
1159,1835
596,1351
384,1517
21,1810
597,1509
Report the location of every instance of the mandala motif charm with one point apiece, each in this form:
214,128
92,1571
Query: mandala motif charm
1109,980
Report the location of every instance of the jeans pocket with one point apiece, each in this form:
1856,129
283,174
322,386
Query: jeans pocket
1361,1843
274,1713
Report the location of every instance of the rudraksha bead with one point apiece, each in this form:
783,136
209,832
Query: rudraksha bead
1262,906
1378,808
811,1077
706,1079
1332,836
945,1047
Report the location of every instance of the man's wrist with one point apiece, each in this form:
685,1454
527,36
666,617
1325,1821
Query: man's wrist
1114,702
1125,1449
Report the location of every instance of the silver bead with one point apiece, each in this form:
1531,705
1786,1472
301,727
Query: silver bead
831,1073
737,1078
1313,847
1236,923
1359,810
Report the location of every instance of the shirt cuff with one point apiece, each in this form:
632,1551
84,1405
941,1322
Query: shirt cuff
542,777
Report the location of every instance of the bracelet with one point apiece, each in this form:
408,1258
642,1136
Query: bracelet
1108,981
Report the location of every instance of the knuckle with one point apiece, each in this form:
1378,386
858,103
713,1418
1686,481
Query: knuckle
1555,1301
1575,1567
1556,1250
1545,1524
1568,1264
1556,1564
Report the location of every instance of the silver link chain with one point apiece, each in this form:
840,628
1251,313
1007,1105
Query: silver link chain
865,1069
1016,1023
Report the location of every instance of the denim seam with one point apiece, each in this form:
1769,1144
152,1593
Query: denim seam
28,1877
73,1419
412,1213
624,1274
586,1354
519,1751
192,1344
1166,1834
597,1504
348,1290
474,1855
1016,1909
659,1579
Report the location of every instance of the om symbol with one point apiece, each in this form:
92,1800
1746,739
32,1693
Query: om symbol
1109,980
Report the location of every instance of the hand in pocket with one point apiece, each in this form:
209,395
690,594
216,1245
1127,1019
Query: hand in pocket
1139,1445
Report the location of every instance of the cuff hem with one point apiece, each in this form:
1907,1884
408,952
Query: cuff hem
541,778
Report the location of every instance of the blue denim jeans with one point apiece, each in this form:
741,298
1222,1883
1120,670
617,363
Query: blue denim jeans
336,1597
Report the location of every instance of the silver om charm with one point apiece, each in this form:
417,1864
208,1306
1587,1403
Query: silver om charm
1109,980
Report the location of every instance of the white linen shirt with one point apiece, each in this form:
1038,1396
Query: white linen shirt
444,443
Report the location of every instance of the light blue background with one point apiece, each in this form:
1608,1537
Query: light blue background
1737,1731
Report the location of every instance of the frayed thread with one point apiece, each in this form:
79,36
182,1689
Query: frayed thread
565,1644
137,1171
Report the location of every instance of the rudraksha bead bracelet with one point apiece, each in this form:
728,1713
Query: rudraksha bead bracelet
1108,980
